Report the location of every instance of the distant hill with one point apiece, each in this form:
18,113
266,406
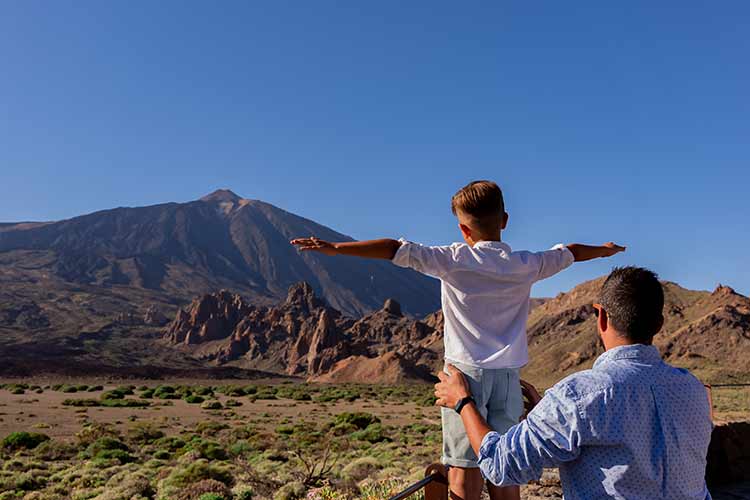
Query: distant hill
708,333
178,250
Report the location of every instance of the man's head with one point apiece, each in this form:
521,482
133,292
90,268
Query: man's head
630,306
480,209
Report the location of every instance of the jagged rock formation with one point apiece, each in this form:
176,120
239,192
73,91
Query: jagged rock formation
706,332
304,336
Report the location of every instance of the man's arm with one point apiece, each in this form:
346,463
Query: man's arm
588,252
548,437
373,249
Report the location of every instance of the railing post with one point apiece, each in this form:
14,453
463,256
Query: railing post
437,489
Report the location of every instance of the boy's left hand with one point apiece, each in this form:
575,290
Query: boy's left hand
452,387
610,248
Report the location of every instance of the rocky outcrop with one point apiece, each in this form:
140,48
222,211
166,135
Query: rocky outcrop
303,336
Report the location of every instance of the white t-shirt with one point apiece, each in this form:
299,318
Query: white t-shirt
485,296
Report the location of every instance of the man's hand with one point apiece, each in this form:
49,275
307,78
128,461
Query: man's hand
315,244
531,397
452,388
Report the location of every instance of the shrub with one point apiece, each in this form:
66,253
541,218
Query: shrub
23,440
360,468
144,433
162,455
125,403
171,443
373,434
206,489
246,494
125,485
95,388
165,392
147,394
104,443
104,457
211,405
290,491
208,449
81,402
55,450
359,420
29,482
232,403
193,399
196,471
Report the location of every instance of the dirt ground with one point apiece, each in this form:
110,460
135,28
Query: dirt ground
45,411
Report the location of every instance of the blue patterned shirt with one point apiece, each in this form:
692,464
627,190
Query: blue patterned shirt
633,427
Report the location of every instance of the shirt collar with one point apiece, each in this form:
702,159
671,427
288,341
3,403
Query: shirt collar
500,245
640,352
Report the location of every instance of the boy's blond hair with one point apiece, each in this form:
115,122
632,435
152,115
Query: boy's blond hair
481,201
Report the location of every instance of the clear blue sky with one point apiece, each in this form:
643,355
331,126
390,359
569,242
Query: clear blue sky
626,121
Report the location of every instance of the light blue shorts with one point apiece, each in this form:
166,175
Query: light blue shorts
497,393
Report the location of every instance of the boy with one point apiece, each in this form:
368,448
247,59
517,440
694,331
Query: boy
485,290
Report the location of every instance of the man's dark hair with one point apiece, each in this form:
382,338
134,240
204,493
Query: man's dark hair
633,299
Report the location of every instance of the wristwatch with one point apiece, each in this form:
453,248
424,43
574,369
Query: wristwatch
463,402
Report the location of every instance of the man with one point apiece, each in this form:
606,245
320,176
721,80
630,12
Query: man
632,427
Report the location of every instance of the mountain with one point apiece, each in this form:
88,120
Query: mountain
174,251
303,336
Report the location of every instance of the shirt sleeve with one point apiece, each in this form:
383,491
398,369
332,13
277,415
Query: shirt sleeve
432,261
550,436
553,261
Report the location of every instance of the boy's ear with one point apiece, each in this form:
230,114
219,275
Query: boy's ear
465,230
504,222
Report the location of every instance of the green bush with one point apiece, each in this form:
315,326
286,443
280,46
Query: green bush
208,449
162,455
23,440
105,456
95,388
212,496
211,405
165,392
105,443
359,420
144,433
232,403
171,443
81,402
193,399
147,394
197,471
114,394
374,433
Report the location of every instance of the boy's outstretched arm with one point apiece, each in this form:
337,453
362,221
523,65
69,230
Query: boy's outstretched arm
373,249
588,252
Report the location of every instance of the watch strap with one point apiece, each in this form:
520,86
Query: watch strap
463,402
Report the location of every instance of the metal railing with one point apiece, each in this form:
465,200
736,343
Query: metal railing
435,485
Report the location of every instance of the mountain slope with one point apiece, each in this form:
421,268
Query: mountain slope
179,250
709,333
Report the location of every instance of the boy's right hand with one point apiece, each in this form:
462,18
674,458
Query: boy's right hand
313,243
610,248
